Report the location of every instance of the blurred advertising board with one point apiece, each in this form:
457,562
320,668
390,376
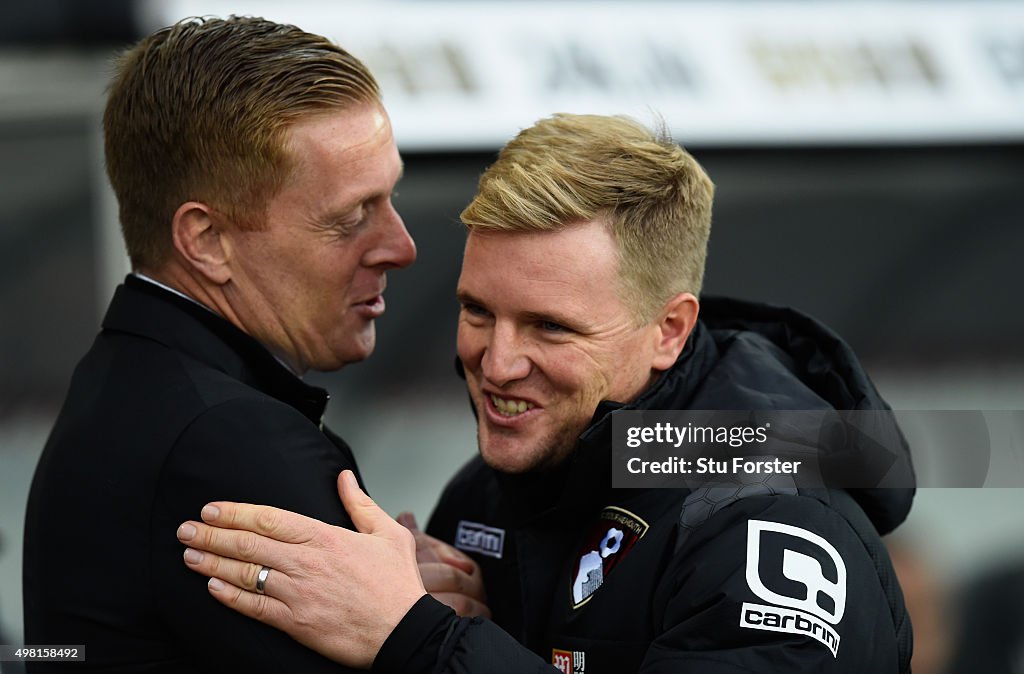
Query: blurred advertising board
468,75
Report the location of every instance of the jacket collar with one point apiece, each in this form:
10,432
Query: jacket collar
584,482
147,310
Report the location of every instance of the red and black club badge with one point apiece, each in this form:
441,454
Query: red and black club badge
608,542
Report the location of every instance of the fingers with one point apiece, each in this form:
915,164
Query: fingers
233,583
408,520
262,607
365,513
454,557
430,549
244,546
275,523
450,577
440,577
337,591
461,591
242,575
424,550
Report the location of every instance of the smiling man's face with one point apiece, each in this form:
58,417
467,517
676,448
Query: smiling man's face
545,336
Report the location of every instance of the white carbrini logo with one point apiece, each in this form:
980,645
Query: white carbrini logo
802,614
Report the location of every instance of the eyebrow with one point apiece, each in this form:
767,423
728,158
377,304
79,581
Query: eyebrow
540,317
334,216
374,195
465,297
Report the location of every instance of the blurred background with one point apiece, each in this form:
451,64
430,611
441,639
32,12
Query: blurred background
869,163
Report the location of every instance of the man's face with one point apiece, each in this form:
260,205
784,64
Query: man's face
544,337
310,284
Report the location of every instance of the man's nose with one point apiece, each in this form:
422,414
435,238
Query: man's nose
505,357
395,249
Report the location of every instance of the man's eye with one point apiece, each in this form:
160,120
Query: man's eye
342,228
551,326
474,309
345,229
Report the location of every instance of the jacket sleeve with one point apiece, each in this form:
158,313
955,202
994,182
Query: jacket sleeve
431,639
250,450
781,583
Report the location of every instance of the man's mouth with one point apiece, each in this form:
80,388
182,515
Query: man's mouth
371,308
510,407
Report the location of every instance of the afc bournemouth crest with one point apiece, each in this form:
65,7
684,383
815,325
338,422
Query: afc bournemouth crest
609,541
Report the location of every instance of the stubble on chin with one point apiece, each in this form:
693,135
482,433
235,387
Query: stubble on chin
541,456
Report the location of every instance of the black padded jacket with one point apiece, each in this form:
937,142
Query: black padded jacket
591,579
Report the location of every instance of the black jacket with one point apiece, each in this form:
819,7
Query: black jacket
172,407
685,568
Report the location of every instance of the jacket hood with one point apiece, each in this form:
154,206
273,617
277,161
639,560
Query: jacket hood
746,355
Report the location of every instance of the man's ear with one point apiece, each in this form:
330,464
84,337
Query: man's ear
675,323
199,240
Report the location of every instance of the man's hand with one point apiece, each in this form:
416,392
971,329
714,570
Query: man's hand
336,591
450,577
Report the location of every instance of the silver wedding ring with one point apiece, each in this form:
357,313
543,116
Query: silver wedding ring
261,579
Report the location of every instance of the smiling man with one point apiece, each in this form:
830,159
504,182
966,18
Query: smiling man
540,358
583,263
254,166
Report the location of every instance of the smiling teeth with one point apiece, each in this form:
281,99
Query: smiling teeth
510,408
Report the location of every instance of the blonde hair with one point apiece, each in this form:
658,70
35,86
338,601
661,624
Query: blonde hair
198,111
653,195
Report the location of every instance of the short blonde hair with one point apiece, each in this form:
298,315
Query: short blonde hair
199,111
653,195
